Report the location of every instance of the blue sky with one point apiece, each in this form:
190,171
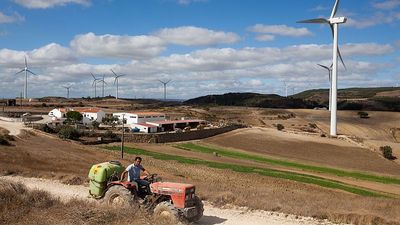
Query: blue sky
203,46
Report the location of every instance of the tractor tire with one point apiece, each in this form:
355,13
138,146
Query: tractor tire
119,196
166,212
200,209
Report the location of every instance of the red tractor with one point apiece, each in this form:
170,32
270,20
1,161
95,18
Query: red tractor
165,199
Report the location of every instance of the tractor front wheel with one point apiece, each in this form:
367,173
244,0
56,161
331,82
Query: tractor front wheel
119,196
199,208
166,211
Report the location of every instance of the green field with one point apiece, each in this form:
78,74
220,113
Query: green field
318,169
262,171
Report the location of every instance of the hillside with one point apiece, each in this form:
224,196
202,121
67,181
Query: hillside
377,99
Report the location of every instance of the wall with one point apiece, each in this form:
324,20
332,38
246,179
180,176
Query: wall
175,137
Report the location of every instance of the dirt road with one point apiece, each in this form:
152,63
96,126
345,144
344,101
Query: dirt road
212,215
12,126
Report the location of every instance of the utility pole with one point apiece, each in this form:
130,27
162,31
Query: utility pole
122,138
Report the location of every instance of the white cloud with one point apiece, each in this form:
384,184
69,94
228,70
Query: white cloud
43,4
196,36
387,4
116,46
377,19
265,37
10,18
187,2
282,30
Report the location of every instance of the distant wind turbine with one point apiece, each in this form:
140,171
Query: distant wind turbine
330,83
286,87
67,87
104,82
116,77
26,70
95,80
333,23
165,88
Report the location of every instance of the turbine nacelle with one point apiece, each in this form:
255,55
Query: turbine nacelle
337,20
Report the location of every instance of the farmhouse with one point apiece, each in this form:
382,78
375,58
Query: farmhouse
139,117
89,114
58,113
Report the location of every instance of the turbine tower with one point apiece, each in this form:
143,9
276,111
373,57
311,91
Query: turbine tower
333,23
165,88
95,80
116,77
286,87
102,81
67,87
330,83
26,70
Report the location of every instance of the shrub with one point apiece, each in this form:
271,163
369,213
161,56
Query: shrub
109,134
312,125
387,152
67,132
74,116
95,125
280,126
46,128
363,115
4,141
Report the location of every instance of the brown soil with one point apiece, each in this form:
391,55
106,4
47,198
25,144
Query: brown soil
314,149
41,156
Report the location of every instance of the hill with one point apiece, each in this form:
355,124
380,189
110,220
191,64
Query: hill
377,99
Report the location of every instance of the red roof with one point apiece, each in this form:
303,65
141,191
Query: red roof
175,121
144,124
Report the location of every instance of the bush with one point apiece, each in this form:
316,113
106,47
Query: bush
67,132
363,115
74,116
4,141
280,126
387,152
46,128
95,125
312,125
109,134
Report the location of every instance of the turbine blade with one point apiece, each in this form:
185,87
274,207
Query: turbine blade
31,72
323,66
334,10
115,80
318,20
168,81
20,71
26,63
113,72
332,30
341,59
93,76
93,83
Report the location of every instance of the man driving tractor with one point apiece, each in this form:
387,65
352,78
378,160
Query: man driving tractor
134,170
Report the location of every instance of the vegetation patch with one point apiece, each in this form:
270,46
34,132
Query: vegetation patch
387,152
303,178
318,169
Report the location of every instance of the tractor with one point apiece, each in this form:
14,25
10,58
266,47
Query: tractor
170,200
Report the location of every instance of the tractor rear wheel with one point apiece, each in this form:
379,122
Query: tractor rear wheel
166,211
200,209
119,196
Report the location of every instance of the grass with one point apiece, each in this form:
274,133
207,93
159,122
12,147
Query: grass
276,162
309,179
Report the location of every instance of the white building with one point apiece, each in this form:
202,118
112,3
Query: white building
91,114
58,113
140,117
144,127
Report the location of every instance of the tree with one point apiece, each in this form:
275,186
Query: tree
74,116
363,115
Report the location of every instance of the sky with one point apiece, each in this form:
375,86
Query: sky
203,46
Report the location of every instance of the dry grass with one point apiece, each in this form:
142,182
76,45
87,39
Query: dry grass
18,205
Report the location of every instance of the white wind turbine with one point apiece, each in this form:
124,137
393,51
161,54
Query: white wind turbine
67,87
334,25
95,80
104,82
330,83
26,70
165,88
116,77
286,87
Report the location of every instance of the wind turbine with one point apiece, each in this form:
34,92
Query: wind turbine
116,81
95,80
102,81
26,70
67,87
165,88
330,83
334,25
286,87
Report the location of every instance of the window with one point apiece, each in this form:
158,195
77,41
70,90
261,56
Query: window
141,117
